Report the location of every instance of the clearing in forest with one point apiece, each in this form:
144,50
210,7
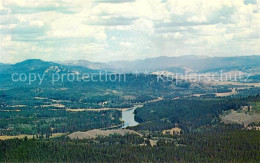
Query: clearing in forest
92,134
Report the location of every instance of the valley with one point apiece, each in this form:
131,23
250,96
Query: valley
130,81
150,119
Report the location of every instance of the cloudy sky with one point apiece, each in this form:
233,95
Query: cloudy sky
106,30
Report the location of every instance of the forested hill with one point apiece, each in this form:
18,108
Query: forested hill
234,146
39,66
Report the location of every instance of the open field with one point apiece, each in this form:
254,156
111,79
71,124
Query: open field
172,131
92,134
155,100
18,106
240,118
233,92
235,83
55,135
17,110
54,105
15,137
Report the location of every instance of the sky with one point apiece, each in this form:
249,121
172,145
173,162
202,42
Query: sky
109,30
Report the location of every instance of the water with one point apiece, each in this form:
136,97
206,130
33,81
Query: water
129,117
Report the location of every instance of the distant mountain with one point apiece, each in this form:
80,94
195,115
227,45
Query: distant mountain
191,63
171,64
181,64
3,66
30,65
39,66
85,63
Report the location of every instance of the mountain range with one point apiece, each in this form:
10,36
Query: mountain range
171,64
177,64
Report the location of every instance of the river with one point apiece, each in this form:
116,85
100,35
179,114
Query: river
129,117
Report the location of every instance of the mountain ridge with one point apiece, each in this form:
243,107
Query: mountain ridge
196,63
192,63
40,66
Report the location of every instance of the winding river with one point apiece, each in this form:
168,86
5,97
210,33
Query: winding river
129,117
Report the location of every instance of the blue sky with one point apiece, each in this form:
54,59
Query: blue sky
108,30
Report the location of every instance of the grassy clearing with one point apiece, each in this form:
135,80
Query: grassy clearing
240,118
6,137
92,134
15,137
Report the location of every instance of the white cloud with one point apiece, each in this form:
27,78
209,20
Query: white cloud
109,29
148,9
6,41
144,25
70,27
197,19
113,38
1,5
176,35
37,23
126,44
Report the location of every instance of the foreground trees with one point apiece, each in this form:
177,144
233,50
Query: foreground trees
234,146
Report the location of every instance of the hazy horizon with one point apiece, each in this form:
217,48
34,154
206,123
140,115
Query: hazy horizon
64,61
